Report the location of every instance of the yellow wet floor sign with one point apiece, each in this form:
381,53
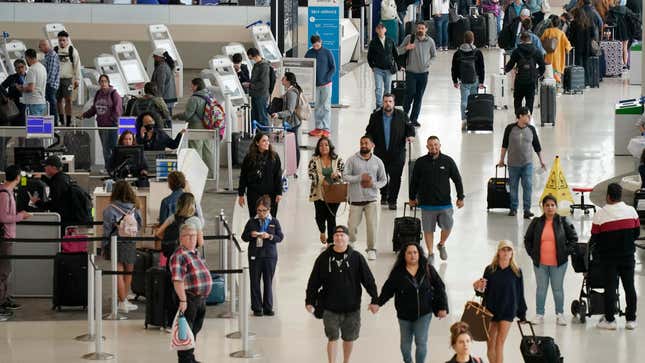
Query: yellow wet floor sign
557,185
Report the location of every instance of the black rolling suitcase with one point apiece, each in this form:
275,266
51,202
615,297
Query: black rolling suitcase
498,191
574,77
241,141
399,90
480,112
406,229
538,349
639,204
158,290
79,144
145,259
593,72
479,27
456,32
548,94
70,280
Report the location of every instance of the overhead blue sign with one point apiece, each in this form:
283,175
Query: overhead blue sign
127,124
40,126
324,21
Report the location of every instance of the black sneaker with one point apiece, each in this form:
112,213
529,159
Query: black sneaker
512,213
383,201
11,305
269,312
528,215
415,123
392,206
257,313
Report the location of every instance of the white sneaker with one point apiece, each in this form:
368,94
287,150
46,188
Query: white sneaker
538,320
631,325
604,324
130,306
371,255
131,296
123,308
560,320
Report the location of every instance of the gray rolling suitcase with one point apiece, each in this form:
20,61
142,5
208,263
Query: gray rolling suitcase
491,28
548,93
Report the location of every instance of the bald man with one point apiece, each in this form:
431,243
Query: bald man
52,65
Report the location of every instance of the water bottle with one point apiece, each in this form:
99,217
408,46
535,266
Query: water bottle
107,185
183,327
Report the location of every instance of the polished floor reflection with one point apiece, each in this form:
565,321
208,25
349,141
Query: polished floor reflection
582,137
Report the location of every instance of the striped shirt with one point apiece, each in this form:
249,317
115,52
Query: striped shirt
52,65
189,267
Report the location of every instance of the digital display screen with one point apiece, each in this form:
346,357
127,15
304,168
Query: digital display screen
40,126
132,71
230,86
127,124
270,51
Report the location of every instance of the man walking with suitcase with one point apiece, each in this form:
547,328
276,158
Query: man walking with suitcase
420,52
614,229
520,140
526,57
365,174
381,56
390,129
335,286
430,190
467,71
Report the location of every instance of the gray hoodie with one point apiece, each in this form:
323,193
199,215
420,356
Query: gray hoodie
419,57
354,168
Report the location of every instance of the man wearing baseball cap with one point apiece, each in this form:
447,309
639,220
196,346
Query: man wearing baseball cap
334,288
58,183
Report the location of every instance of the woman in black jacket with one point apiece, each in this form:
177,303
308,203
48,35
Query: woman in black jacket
418,293
262,233
548,240
153,137
261,174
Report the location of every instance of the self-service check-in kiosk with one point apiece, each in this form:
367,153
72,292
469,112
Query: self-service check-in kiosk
226,79
3,70
51,34
132,69
107,64
12,50
266,44
90,82
237,48
161,38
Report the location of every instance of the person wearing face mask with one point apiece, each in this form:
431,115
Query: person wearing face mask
242,71
365,174
107,107
261,174
549,240
430,190
152,137
262,232
391,129
502,288
460,341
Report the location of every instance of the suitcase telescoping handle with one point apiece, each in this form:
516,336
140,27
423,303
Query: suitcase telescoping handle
414,209
505,170
519,325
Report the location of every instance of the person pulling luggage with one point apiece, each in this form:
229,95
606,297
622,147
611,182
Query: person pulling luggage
467,71
530,66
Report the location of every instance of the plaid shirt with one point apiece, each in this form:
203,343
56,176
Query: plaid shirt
52,65
188,267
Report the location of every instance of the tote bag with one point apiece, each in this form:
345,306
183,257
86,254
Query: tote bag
478,318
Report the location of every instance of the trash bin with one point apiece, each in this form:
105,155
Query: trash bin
627,113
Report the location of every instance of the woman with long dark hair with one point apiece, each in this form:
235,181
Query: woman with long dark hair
548,240
502,287
164,77
261,174
290,102
583,30
418,293
325,167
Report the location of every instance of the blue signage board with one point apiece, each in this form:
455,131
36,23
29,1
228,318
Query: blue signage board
40,126
128,124
324,20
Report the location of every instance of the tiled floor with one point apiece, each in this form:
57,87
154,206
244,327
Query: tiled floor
582,137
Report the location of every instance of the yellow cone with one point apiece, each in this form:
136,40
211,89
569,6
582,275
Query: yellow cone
557,185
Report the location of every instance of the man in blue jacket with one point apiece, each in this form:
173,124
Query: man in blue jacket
325,69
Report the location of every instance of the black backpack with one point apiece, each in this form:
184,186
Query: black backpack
171,236
70,54
80,204
526,69
467,70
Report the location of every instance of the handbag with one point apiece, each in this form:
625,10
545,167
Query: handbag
335,193
478,318
277,105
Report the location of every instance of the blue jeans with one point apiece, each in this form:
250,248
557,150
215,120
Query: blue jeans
37,109
418,330
50,96
554,274
259,111
466,90
322,112
108,143
382,84
524,172
416,87
442,30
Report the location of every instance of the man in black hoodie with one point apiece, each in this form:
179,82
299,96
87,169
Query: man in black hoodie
467,71
526,57
335,287
381,57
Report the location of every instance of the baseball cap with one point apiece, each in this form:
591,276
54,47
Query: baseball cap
341,229
158,52
525,12
54,161
505,244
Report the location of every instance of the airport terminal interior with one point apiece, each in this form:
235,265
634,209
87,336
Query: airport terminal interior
582,138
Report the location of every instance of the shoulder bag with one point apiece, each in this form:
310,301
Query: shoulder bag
335,192
478,317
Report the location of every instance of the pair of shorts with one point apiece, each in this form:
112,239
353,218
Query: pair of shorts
347,324
126,252
431,218
65,88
